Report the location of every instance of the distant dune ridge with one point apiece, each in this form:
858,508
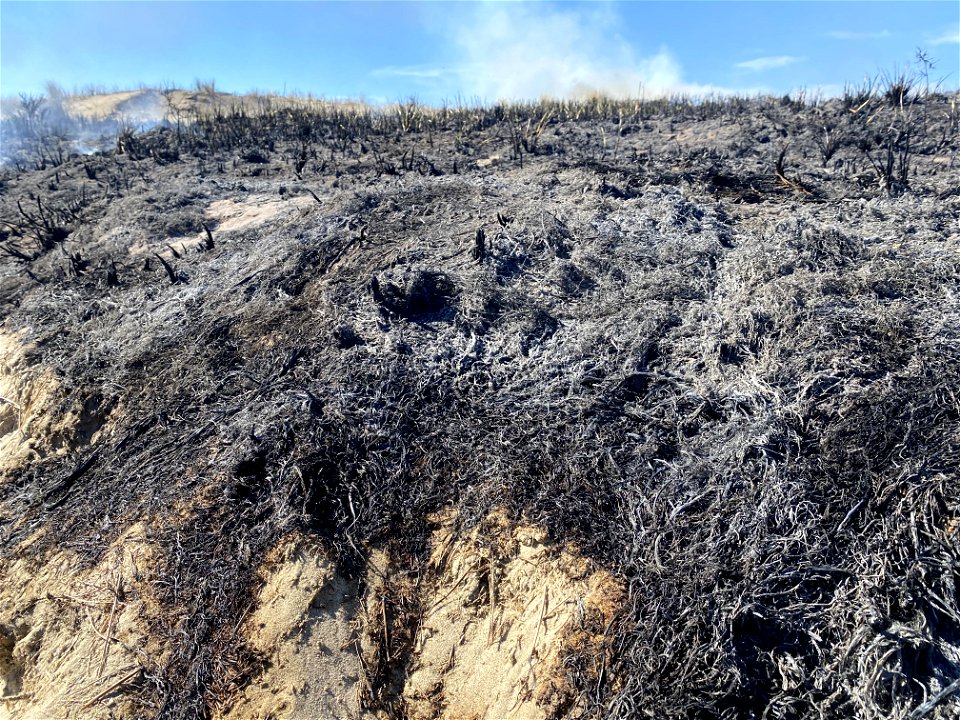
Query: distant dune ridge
56,123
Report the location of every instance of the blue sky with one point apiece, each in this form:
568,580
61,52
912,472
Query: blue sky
440,51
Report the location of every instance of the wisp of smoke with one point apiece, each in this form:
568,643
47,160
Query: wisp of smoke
49,127
518,52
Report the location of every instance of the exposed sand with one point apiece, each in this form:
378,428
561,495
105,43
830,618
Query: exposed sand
236,215
98,107
304,625
226,217
27,427
501,611
502,614
74,643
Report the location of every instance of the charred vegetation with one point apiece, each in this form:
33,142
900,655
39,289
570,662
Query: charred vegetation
714,345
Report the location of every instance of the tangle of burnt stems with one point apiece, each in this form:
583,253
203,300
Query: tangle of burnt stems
725,372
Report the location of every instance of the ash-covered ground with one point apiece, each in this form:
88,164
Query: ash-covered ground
709,352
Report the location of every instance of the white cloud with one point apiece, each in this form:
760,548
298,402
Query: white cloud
769,63
950,37
513,51
847,35
411,71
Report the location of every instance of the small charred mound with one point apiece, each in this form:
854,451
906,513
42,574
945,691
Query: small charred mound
415,294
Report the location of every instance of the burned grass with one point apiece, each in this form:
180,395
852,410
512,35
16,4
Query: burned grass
724,373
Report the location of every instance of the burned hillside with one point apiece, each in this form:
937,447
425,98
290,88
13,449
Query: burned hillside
678,378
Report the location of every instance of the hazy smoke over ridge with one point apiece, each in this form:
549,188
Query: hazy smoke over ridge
522,51
41,129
